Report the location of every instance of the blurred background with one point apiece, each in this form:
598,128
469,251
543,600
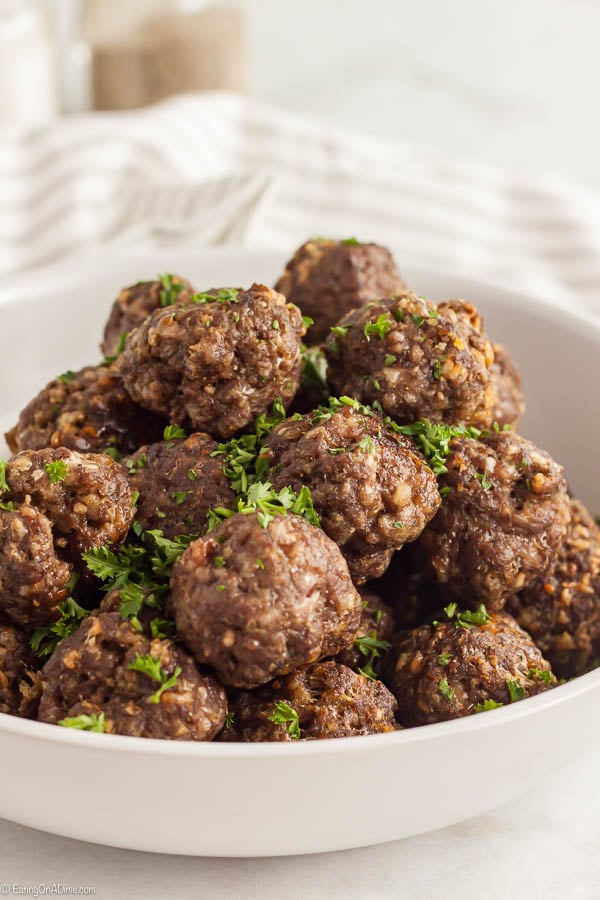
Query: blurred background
512,83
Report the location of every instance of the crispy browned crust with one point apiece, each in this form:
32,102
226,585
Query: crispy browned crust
89,674
482,660
431,362
331,701
216,365
133,305
561,609
178,482
327,279
372,489
256,602
501,524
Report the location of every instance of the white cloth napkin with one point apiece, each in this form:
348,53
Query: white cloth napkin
219,169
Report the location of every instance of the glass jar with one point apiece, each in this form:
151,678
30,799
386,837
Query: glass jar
28,93
145,50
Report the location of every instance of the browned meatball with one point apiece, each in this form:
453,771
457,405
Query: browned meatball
375,632
561,609
502,521
90,674
372,489
417,360
178,482
327,279
88,411
19,686
509,402
326,700
85,495
446,670
135,303
33,580
258,602
218,362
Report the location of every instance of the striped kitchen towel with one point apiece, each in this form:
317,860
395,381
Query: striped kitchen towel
204,169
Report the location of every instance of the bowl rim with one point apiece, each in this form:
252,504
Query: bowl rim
529,707
547,306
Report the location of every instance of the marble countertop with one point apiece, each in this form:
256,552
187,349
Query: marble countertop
544,845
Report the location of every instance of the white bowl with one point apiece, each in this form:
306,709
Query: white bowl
268,799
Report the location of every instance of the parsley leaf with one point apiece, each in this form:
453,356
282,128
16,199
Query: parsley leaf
56,471
148,665
444,658
46,639
174,433
540,675
67,377
487,704
171,289
225,295
3,482
283,714
515,690
351,242
229,717
341,330
370,646
485,481
108,360
435,440
379,328
445,690
95,722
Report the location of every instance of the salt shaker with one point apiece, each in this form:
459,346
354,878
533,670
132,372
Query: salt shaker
28,93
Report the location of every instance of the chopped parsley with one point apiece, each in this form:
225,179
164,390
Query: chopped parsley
139,572
171,289
162,628
341,330
174,433
108,360
466,618
260,564
229,717
95,722
370,646
180,496
352,242
485,481
148,665
45,640
134,464
366,445
435,440
437,370
486,705
283,714
56,471
416,319
389,360
3,482
379,328
444,659
540,675
219,562
307,321
262,499
275,325
225,295
398,524
67,377
445,690
515,690
192,475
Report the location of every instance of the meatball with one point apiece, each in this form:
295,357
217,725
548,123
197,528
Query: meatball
85,495
375,632
325,700
561,609
178,482
88,411
135,303
502,521
163,696
509,402
18,681
327,279
33,580
448,670
372,489
255,602
417,360
218,362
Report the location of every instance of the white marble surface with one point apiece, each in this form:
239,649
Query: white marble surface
514,84
543,846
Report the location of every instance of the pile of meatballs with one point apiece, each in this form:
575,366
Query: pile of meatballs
343,531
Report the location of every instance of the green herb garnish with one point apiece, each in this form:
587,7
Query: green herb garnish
148,665
283,714
56,471
95,722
